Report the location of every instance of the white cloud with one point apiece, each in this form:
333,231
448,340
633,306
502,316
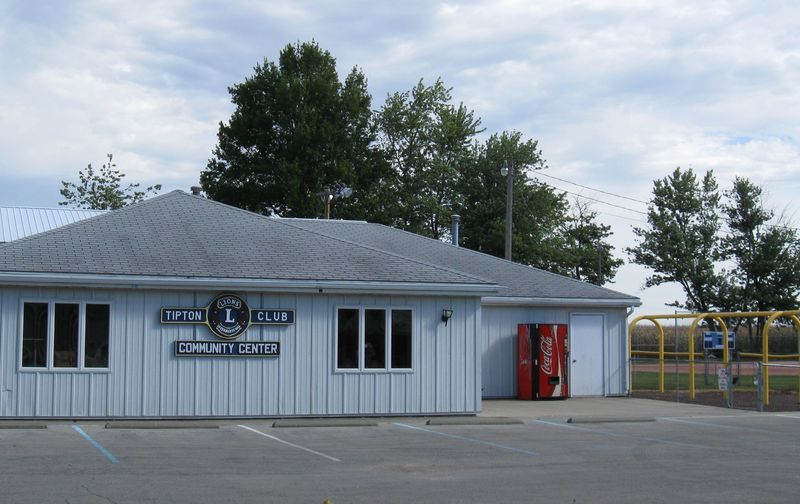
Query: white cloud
618,93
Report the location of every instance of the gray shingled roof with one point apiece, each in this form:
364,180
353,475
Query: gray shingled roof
521,281
180,235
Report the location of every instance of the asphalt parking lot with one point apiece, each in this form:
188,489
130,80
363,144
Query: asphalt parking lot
702,454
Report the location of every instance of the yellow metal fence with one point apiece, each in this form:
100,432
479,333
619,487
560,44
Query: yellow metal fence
719,318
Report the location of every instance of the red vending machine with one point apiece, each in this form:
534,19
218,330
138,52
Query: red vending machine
542,361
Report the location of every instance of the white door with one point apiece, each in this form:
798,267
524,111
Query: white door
586,355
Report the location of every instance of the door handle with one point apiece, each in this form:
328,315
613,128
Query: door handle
574,361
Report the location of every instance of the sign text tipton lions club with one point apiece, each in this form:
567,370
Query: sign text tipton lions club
227,315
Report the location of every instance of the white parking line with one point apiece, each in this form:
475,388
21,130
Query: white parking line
732,417
471,440
620,435
309,450
716,425
694,417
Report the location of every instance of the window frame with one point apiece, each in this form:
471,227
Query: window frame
360,355
390,339
51,304
362,369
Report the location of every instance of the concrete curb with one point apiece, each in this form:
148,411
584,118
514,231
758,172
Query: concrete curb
160,424
325,422
474,421
609,419
17,424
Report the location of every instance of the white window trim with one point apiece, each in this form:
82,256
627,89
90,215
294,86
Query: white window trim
362,369
389,342
51,314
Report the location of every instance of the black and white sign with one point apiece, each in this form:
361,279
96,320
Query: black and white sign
227,349
227,315
271,316
183,315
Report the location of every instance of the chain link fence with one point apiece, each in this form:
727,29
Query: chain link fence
741,384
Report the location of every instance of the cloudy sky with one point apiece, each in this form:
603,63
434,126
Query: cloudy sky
618,93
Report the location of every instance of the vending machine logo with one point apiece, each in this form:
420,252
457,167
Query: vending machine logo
228,316
546,345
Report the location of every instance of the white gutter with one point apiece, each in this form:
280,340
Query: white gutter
243,284
540,301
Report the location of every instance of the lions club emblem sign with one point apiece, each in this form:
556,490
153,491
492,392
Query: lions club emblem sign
228,316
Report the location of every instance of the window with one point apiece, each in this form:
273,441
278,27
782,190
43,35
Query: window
65,335
347,351
34,335
96,342
401,339
373,339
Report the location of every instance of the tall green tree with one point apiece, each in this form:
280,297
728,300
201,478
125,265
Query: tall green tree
538,213
426,140
546,232
590,256
680,243
296,128
103,189
765,253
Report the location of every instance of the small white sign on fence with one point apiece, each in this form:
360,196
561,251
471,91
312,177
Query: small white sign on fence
722,375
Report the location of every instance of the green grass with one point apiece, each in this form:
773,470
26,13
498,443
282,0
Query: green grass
648,380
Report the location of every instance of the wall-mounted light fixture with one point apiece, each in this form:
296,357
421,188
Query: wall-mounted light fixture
446,314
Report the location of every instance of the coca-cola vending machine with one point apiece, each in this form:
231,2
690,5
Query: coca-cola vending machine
542,361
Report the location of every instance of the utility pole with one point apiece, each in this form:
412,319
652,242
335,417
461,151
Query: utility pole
600,264
507,171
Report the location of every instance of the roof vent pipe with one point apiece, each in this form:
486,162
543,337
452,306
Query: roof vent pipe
196,190
456,219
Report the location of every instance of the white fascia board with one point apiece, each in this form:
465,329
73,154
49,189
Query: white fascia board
582,302
244,284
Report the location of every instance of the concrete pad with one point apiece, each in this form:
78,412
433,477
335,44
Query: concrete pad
608,419
22,424
325,422
598,406
160,424
473,420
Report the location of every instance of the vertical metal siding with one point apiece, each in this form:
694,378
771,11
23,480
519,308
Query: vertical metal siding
617,352
499,359
145,379
19,222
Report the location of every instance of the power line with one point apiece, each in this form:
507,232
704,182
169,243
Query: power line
722,217
592,188
599,201
632,219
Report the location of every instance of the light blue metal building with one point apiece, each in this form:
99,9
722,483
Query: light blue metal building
382,321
